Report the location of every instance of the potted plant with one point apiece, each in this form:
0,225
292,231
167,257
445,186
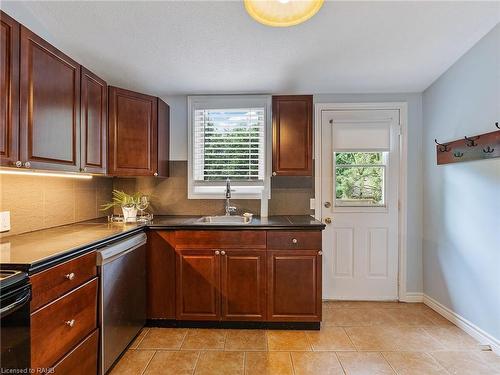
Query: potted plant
127,202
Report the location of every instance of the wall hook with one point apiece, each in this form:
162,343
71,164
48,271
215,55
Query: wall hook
488,150
442,147
471,141
458,154
496,124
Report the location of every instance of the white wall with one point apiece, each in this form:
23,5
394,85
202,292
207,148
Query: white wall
178,151
461,247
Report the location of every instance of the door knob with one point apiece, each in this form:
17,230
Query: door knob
217,252
222,252
328,220
27,164
18,164
327,204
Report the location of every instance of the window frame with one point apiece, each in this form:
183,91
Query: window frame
361,208
242,189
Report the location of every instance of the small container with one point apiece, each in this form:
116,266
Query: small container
247,217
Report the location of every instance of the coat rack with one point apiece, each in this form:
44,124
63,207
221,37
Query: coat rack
483,146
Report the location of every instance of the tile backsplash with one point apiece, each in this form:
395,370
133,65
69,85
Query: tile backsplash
289,195
37,202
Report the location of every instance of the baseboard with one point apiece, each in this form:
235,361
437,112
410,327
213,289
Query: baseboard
483,337
413,297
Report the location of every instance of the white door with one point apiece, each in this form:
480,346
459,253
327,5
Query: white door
359,191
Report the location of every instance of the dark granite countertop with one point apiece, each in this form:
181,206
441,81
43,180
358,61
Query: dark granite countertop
34,251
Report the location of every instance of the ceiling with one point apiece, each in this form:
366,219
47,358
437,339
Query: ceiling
169,48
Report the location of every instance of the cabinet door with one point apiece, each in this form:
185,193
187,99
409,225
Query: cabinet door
294,285
198,285
292,135
49,106
133,133
9,90
94,119
243,284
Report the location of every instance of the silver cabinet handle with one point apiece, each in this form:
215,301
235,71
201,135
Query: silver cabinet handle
18,164
70,276
70,323
217,252
222,252
156,174
274,173
320,252
27,165
294,240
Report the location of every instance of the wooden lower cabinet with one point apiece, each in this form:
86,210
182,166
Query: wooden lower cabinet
243,285
82,360
281,283
294,285
198,277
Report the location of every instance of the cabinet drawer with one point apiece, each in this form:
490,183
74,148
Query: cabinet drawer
214,239
54,282
62,324
82,360
295,240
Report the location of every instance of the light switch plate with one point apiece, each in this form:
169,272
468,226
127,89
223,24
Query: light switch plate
312,204
4,221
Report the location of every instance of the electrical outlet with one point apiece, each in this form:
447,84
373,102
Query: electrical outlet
312,204
4,221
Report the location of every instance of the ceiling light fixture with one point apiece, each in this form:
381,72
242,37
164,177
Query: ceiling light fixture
46,174
282,13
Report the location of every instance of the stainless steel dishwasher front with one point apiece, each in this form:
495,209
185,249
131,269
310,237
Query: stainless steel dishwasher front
122,305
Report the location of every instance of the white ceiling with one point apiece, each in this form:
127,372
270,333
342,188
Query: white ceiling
168,48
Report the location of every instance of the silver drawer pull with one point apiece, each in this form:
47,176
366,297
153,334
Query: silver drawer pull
217,252
70,323
70,276
222,252
320,252
294,240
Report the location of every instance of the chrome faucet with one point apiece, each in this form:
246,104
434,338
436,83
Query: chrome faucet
227,207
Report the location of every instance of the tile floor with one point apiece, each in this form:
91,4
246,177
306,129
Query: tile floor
356,338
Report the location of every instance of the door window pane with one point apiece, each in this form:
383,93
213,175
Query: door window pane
360,179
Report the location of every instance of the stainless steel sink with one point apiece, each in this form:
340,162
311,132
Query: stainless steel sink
229,220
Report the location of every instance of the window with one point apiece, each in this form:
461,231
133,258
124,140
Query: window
360,179
228,140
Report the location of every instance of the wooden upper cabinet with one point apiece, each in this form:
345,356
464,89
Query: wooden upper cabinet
94,120
138,134
9,90
292,135
49,106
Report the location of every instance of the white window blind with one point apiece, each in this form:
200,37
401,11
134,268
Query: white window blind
229,143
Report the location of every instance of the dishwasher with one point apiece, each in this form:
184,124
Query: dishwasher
122,296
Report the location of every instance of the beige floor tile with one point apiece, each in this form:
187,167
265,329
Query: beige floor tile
308,363
287,341
453,338
329,338
172,363
465,363
358,317
204,339
492,359
220,363
412,363
355,363
133,362
139,338
392,339
259,363
163,338
436,318
246,340
409,317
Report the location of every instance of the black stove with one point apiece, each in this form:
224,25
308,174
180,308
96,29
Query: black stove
15,297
